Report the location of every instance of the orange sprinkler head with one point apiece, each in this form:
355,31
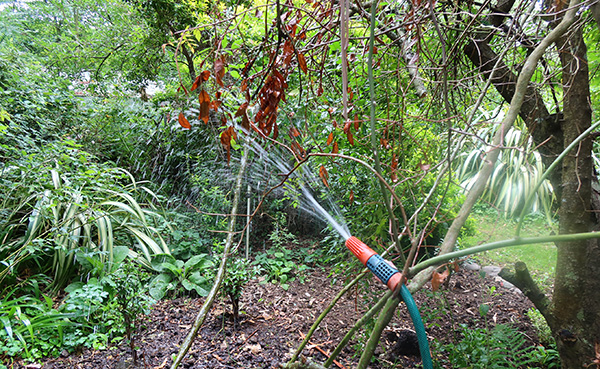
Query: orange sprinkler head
359,249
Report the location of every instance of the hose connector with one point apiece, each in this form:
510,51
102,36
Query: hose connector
374,262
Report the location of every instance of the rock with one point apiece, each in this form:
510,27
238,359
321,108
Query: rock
491,270
471,266
504,283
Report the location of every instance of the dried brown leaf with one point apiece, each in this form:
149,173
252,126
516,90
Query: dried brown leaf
330,139
324,175
204,101
183,121
302,63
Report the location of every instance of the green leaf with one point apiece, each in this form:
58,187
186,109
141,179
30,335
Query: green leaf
7,326
484,309
197,278
120,253
74,286
173,269
158,259
188,285
159,286
198,262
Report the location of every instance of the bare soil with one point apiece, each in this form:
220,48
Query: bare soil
273,322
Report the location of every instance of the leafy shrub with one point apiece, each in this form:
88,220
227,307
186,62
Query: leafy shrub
517,171
108,307
179,276
193,232
281,266
239,272
185,243
545,357
129,288
280,237
541,327
31,328
146,139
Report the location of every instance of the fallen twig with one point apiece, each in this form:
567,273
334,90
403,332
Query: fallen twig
314,345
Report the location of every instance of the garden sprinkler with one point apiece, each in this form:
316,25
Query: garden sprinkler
374,262
392,277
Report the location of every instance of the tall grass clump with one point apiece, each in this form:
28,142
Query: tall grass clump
57,200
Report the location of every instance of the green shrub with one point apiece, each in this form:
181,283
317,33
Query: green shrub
179,276
541,327
145,139
129,289
109,306
239,272
281,266
31,327
545,357
57,201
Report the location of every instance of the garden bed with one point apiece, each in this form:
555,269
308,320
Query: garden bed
273,322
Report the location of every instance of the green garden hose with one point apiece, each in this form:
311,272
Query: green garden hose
392,277
413,310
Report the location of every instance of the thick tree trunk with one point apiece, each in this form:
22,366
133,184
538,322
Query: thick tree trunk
577,290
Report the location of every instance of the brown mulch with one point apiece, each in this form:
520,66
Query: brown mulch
273,321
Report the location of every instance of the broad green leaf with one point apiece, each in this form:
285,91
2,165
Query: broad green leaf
484,309
197,278
159,259
172,268
159,285
120,253
198,262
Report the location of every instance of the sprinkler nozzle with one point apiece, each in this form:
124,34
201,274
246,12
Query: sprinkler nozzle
376,264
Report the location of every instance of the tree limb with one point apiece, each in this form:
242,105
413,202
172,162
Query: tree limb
523,281
521,86
410,58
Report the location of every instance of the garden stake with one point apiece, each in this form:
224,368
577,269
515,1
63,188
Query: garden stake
392,277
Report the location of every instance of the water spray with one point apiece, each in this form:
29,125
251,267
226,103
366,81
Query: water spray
392,277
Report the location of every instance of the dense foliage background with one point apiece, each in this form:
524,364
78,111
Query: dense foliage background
122,125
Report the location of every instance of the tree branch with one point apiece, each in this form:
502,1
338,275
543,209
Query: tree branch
522,279
410,58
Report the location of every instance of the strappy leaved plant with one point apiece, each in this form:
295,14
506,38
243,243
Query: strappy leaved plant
62,202
518,169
